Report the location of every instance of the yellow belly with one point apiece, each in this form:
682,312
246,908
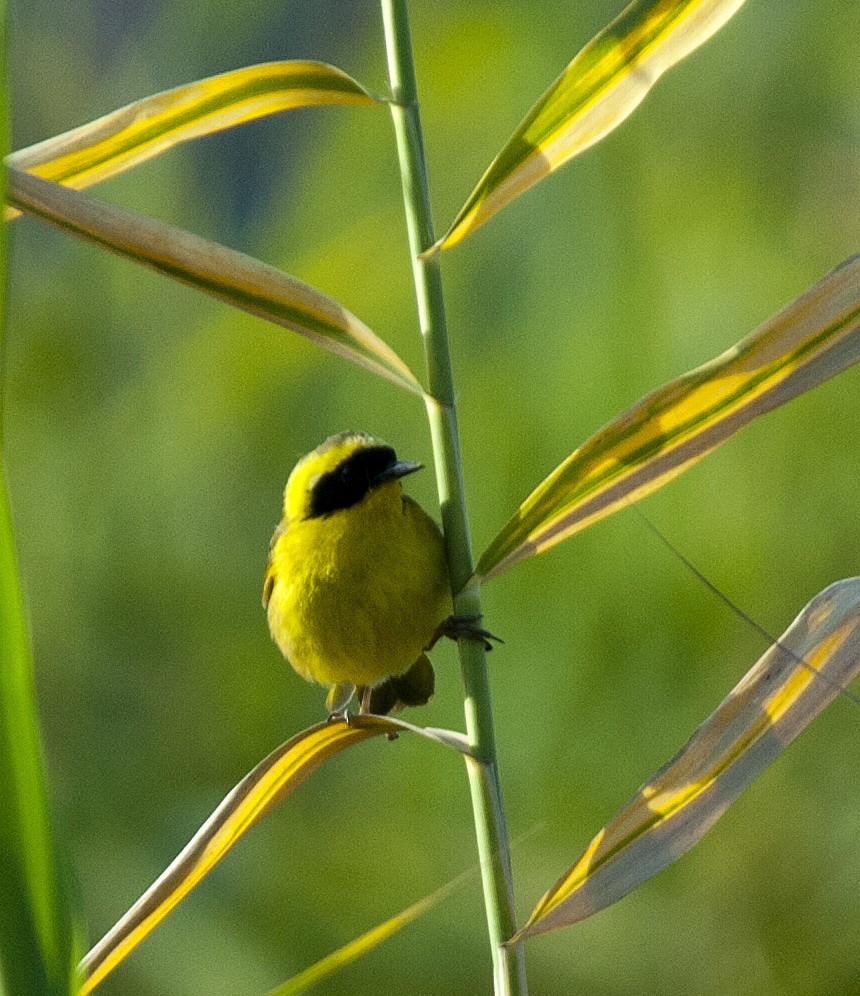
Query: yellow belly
358,594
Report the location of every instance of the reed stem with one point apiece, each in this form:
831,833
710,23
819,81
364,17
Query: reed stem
490,827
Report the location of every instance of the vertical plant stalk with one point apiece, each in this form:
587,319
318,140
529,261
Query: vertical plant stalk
35,926
493,844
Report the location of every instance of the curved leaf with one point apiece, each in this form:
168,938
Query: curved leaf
598,90
116,142
815,659
812,339
222,273
274,778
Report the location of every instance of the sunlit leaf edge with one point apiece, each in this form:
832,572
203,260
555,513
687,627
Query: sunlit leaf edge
268,784
598,90
814,660
371,939
812,339
223,273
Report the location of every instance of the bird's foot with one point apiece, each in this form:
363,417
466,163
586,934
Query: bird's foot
464,628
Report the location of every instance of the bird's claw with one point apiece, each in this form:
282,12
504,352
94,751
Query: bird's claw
464,628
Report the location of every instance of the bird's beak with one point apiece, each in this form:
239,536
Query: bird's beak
396,470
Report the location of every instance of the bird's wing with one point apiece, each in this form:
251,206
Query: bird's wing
271,576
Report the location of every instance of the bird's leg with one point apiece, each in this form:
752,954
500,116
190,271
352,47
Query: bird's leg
338,699
463,628
364,698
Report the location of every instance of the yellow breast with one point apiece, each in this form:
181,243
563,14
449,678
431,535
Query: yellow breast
356,595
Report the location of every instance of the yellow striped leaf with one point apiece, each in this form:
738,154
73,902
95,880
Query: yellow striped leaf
598,90
269,783
139,131
812,339
816,658
223,273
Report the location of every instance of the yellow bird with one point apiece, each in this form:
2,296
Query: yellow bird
357,582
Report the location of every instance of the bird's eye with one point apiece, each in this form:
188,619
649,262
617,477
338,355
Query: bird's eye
347,484
354,475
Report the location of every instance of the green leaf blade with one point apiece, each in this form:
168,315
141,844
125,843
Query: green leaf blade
36,928
603,85
133,134
814,660
223,273
269,783
811,340
36,932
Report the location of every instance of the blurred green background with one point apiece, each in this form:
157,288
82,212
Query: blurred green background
150,433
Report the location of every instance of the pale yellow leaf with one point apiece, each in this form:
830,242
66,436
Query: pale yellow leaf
814,338
223,273
606,81
816,658
131,135
269,783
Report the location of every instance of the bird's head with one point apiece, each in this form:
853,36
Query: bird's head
339,473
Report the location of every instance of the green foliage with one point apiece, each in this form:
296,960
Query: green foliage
149,433
36,955
35,924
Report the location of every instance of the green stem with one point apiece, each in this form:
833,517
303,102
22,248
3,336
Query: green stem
493,845
35,924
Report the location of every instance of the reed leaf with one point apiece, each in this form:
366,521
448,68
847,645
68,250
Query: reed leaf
274,778
814,660
36,927
223,273
114,143
814,338
605,83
